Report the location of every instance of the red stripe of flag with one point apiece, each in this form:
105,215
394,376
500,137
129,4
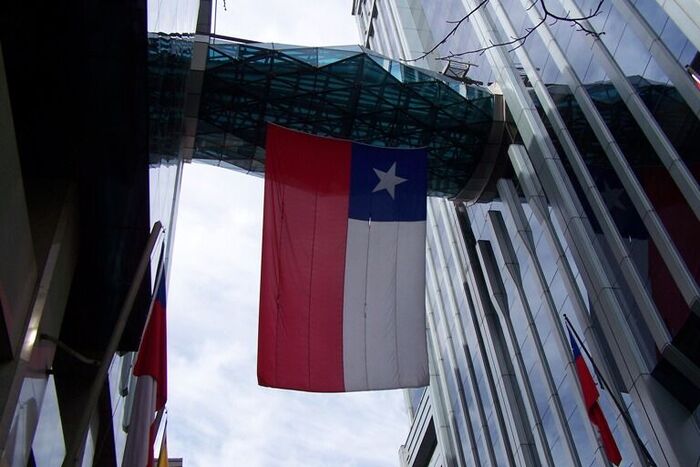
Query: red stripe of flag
152,358
300,334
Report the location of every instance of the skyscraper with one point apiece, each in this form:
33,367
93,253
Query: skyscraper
589,213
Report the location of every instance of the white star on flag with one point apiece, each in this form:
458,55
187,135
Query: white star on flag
388,180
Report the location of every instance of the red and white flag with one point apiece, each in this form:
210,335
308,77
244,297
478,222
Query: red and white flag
151,386
595,412
342,297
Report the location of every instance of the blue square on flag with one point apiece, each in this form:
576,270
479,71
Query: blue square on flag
387,184
342,295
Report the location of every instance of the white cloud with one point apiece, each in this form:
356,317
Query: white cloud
327,22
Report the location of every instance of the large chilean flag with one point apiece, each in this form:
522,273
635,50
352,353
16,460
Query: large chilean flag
342,299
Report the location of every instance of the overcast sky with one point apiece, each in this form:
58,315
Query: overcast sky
217,413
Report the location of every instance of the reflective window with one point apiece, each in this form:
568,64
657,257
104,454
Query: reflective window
49,446
414,396
438,14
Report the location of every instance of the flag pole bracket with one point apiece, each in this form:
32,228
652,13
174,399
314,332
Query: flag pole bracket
70,351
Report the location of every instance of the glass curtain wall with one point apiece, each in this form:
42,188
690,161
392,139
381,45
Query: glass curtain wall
592,222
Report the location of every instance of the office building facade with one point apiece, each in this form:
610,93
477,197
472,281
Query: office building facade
91,155
588,216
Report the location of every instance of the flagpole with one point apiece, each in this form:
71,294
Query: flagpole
156,423
163,446
606,386
75,448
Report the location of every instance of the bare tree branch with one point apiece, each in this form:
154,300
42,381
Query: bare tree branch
578,22
454,29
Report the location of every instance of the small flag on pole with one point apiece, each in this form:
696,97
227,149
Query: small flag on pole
595,413
151,386
163,454
342,299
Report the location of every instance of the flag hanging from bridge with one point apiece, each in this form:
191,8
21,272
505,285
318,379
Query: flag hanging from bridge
342,299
